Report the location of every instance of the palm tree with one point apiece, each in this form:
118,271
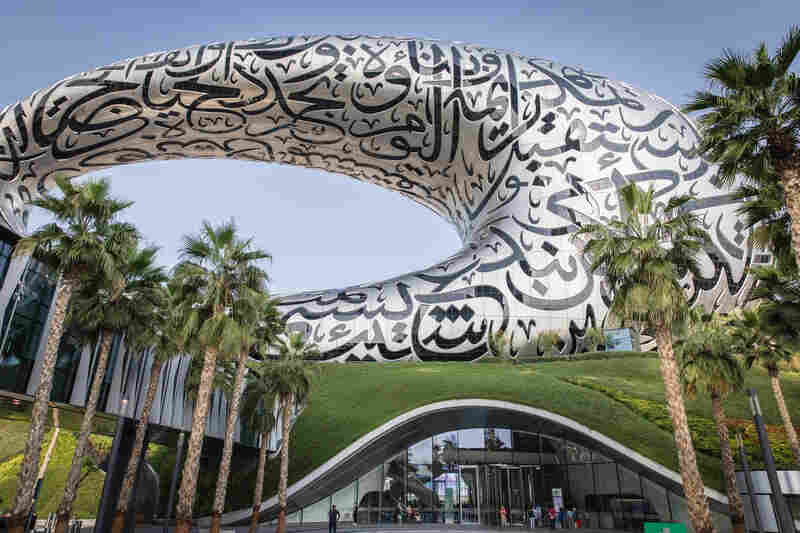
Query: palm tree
75,243
159,336
256,314
752,123
706,362
258,408
643,255
217,270
109,307
763,210
291,376
770,335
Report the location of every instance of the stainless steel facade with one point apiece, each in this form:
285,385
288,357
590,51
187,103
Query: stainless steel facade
515,152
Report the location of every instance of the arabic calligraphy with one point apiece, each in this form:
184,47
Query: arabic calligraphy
516,153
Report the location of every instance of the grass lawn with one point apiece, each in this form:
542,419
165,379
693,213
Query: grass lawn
12,438
350,400
53,484
643,379
353,399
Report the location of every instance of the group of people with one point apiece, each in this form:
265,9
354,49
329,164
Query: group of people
552,517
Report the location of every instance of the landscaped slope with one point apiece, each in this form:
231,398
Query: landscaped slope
53,484
352,399
620,398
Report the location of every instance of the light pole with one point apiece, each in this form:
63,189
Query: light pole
103,522
748,482
175,471
785,522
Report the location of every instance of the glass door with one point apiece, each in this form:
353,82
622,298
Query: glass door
516,498
528,484
468,496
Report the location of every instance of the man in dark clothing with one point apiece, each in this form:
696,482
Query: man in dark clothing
333,517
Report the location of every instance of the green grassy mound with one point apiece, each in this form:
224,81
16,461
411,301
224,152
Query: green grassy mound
55,477
353,399
621,397
12,443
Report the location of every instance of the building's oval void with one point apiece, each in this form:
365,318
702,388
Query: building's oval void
517,153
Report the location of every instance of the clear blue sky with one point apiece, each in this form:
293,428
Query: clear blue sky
316,224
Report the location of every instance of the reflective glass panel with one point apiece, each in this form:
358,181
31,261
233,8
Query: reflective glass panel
345,502
498,446
575,453
420,495
445,448
468,494
680,511
526,447
317,512
421,452
606,482
629,482
446,497
393,505
470,446
497,439
552,450
369,496
471,439
581,485
656,496
630,509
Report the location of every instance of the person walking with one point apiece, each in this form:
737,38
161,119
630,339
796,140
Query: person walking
571,518
551,514
333,518
537,515
503,516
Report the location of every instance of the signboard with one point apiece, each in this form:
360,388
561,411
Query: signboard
618,339
558,501
664,527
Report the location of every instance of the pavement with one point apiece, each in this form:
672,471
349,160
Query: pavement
87,526
381,528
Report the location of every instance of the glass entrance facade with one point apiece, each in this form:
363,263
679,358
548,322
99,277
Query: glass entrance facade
468,476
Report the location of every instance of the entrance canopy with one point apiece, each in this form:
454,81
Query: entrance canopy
567,443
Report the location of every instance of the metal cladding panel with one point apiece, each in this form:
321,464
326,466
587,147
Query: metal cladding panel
517,153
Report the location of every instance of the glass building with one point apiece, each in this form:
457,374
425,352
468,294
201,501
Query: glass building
466,476
23,326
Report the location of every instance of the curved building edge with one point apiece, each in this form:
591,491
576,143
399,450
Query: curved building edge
373,448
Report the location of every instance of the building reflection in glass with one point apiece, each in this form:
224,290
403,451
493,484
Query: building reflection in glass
466,476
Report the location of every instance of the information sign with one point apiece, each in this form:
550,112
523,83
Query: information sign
664,527
618,339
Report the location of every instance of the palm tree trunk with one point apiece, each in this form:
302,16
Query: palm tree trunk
790,178
227,449
262,461
133,462
29,468
728,466
284,478
74,476
787,420
693,487
186,493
